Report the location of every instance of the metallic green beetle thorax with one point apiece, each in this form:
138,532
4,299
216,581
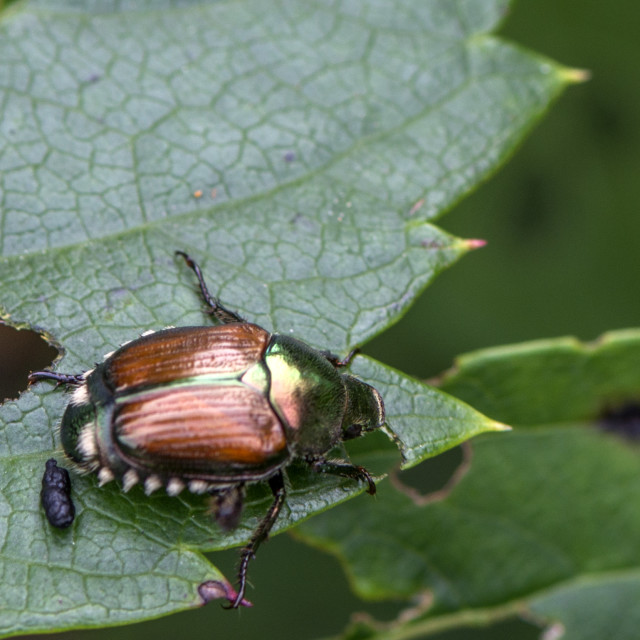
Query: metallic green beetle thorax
307,393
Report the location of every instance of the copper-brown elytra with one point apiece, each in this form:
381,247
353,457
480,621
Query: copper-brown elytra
213,409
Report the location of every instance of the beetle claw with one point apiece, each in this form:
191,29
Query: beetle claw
344,469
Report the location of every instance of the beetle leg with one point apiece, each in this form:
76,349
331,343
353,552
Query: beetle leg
60,378
226,505
335,360
346,470
216,309
276,483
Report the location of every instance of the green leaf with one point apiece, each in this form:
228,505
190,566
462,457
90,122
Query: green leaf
422,420
544,524
324,141
549,381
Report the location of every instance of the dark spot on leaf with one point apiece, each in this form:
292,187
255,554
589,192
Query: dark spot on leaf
22,351
303,223
431,244
217,589
434,479
623,420
290,156
93,77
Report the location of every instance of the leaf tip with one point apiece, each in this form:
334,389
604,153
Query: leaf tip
575,76
475,243
498,426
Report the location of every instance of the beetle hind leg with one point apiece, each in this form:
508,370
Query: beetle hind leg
220,313
276,483
60,378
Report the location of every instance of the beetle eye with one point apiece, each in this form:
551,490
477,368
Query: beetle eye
352,431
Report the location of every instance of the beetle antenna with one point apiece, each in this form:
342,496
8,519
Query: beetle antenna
216,309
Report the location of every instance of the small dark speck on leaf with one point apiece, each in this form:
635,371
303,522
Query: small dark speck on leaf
217,589
623,420
93,77
430,244
289,156
303,223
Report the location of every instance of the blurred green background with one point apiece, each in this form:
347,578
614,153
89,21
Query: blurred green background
562,229
561,218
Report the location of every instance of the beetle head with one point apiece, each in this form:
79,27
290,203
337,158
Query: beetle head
365,409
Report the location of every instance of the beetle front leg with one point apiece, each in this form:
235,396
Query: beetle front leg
346,470
260,535
337,362
216,309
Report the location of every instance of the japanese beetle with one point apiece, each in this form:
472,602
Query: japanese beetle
214,409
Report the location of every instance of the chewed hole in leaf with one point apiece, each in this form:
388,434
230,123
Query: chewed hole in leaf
433,480
623,420
22,351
